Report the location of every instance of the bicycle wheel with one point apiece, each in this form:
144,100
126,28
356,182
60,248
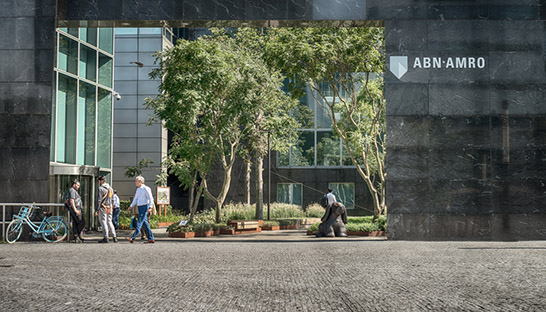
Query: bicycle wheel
14,231
54,231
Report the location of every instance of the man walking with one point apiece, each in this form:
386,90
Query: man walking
115,213
104,209
74,205
145,201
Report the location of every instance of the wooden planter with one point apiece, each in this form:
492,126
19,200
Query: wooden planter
204,234
271,228
378,233
311,232
164,223
358,233
182,234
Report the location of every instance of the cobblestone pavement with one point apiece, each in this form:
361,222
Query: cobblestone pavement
283,271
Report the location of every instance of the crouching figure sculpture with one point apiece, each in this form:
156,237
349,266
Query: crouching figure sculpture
333,221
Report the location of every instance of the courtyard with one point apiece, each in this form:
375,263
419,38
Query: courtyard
281,271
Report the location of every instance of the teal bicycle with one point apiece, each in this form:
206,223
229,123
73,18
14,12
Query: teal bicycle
52,229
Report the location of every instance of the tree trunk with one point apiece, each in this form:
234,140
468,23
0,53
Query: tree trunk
247,180
259,186
195,202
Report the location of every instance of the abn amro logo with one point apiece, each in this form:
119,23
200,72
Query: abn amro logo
398,65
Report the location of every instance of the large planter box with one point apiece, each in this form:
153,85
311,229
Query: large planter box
204,234
358,233
378,233
182,234
227,232
271,228
289,227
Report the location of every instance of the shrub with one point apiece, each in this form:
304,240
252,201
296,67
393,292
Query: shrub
238,211
314,227
124,204
367,219
270,223
203,227
287,221
176,228
382,223
283,211
314,211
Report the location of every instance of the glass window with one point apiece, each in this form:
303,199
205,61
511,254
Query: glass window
302,154
304,115
126,31
345,193
323,119
104,129
89,35
105,70
53,119
72,31
327,149
66,120
283,159
290,193
88,63
86,124
68,55
150,31
106,39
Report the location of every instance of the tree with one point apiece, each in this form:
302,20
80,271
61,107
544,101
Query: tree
212,91
337,64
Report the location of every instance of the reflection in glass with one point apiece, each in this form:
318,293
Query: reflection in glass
86,124
89,35
66,120
88,63
126,31
290,193
304,115
345,193
327,149
283,159
303,151
105,70
104,134
106,39
68,55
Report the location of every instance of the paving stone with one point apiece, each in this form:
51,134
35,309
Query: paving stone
284,271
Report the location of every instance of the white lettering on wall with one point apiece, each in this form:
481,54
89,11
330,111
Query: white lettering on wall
449,62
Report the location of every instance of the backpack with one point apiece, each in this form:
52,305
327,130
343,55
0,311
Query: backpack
108,195
324,201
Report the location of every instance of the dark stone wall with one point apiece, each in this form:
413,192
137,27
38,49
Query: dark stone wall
27,29
467,147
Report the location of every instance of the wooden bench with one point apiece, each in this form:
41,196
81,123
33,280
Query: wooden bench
244,225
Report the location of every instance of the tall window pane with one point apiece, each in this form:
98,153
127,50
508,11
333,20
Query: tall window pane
53,120
66,120
327,149
104,134
345,193
106,39
89,35
289,193
86,125
105,70
68,55
88,63
302,153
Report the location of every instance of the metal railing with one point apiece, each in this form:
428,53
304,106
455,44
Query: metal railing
5,222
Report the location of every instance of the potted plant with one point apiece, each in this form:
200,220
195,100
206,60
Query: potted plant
288,224
313,229
227,229
183,231
270,225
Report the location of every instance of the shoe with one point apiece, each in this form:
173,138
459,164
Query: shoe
104,240
150,242
130,240
115,239
81,240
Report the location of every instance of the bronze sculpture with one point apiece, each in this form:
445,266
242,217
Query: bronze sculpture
333,221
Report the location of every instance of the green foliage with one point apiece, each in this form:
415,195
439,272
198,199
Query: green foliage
314,210
133,171
366,219
239,211
203,227
288,221
280,210
124,204
363,227
270,223
176,228
314,227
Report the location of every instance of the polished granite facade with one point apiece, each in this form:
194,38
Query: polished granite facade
467,146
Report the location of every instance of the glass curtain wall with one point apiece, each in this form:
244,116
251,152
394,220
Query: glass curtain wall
316,145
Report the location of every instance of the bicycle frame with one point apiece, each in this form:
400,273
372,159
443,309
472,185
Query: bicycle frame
37,229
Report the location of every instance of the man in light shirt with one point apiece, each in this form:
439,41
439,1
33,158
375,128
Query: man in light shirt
144,201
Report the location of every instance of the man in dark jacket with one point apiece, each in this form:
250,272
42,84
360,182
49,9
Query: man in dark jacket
74,205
